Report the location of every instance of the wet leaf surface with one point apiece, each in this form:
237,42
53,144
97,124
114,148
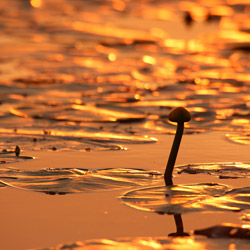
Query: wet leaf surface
223,170
77,180
188,198
14,159
246,217
70,139
2,185
151,243
242,138
12,156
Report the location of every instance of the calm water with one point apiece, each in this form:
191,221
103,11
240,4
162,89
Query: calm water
86,78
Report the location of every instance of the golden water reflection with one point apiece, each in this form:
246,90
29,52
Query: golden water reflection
178,199
93,75
125,62
161,243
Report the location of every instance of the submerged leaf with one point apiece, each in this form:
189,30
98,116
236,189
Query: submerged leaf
223,170
76,180
188,198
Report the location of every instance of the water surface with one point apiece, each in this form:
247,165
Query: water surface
89,84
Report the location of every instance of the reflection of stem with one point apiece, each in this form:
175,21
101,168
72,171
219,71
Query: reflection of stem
179,223
173,154
179,227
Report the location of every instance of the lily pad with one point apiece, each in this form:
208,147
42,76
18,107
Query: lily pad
63,139
13,159
77,113
223,170
150,243
242,138
76,180
245,217
2,185
188,198
12,156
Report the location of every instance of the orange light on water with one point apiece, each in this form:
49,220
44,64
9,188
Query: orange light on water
176,43
110,30
149,59
150,244
137,96
235,35
245,226
112,57
240,122
18,113
230,89
203,82
222,10
232,2
157,32
223,114
232,246
36,3
119,5
206,92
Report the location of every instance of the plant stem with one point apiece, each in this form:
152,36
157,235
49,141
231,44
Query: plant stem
173,154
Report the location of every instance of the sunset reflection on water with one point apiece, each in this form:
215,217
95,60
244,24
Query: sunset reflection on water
95,76
123,56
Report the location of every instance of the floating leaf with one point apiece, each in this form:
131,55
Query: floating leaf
151,243
12,156
242,138
223,170
225,231
245,217
77,113
65,139
2,185
13,159
76,180
188,198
